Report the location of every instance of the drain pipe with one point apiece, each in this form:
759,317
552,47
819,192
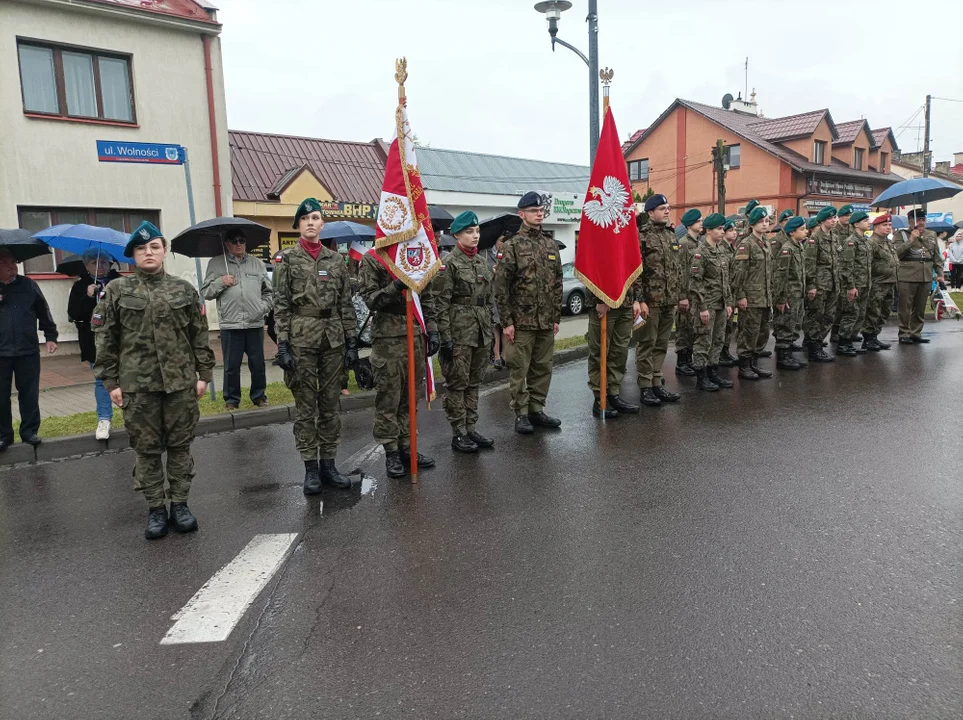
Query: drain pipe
212,119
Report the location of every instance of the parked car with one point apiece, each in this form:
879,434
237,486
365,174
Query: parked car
574,292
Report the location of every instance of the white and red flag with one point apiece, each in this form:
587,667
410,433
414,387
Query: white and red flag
357,250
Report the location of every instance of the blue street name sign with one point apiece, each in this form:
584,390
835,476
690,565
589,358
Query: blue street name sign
135,152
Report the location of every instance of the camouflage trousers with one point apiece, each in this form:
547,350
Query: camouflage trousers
618,328
653,345
787,325
879,307
529,361
753,333
685,331
157,422
912,307
820,314
389,362
463,376
707,345
854,313
316,386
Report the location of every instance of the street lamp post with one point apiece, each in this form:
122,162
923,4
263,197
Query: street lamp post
553,9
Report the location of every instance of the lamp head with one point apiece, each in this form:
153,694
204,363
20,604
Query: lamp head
553,9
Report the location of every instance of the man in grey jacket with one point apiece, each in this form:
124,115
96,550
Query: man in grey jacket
240,284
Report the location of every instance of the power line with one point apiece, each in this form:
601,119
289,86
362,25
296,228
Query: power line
946,99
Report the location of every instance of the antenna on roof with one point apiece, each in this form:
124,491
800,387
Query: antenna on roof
747,76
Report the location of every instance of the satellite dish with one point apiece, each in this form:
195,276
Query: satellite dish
727,100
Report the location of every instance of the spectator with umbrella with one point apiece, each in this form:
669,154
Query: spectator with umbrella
955,253
87,291
919,258
22,308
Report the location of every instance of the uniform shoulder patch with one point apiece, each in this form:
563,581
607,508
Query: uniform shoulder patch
741,256
698,256
785,252
498,256
811,241
852,244
97,319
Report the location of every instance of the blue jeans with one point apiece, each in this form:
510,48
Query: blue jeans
105,410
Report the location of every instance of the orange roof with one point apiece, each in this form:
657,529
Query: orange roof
185,9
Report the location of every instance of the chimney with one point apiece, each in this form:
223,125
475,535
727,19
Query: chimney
746,106
958,158
943,167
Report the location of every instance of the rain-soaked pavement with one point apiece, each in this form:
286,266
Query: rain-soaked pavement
788,549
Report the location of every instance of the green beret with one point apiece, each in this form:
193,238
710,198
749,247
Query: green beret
750,206
757,214
794,224
466,220
307,206
857,216
812,222
730,225
144,233
826,213
845,210
785,214
691,217
713,221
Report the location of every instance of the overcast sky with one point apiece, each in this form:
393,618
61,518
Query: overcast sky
482,76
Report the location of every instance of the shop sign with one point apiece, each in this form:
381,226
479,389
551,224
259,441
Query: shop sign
940,217
348,210
562,207
836,188
816,204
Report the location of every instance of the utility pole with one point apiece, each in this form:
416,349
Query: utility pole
926,142
718,157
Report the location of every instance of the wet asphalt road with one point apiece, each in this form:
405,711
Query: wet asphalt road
787,549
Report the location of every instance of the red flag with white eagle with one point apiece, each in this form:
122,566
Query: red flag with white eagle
608,258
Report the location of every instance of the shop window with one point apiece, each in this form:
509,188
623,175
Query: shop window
638,170
819,152
37,219
78,83
732,156
884,162
858,158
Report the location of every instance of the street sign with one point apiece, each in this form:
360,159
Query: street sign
135,152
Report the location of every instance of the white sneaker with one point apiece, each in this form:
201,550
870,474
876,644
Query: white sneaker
103,430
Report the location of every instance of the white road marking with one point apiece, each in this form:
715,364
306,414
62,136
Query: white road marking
216,608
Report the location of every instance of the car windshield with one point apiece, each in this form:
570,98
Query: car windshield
568,271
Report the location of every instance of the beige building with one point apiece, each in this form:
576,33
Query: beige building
910,165
73,74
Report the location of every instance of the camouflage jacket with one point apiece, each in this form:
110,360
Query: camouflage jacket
688,246
151,335
377,287
789,274
662,258
463,299
709,286
840,233
918,257
855,263
822,262
883,256
312,299
752,273
528,281
777,239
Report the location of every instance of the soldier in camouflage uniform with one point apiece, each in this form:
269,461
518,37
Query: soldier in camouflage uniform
661,291
883,283
731,239
840,234
789,293
778,235
385,297
855,271
752,291
317,336
528,291
710,297
822,275
743,225
463,303
684,321
919,258
154,359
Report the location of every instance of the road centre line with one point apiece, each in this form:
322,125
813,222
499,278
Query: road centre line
216,608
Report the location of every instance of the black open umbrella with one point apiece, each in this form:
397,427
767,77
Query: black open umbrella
22,244
206,239
440,218
72,265
501,225
446,241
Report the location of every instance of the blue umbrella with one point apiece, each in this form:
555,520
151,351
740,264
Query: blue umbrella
345,231
78,238
900,222
940,226
916,192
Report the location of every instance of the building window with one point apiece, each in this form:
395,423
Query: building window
75,83
638,170
732,156
819,152
37,219
884,162
858,158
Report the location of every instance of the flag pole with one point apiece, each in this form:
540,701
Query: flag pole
606,77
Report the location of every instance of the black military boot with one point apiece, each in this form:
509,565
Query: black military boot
312,478
463,444
746,371
649,398
424,461
796,347
860,349
683,364
703,382
540,419
157,523
609,414
785,360
764,354
625,408
834,337
882,345
713,374
846,348
481,441
182,518
754,364
523,426
331,476
870,343
726,359
393,464
666,395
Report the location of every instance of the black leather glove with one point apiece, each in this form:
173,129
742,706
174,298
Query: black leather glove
434,342
447,351
284,360
400,284
350,352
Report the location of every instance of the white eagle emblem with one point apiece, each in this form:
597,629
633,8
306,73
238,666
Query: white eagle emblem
613,206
